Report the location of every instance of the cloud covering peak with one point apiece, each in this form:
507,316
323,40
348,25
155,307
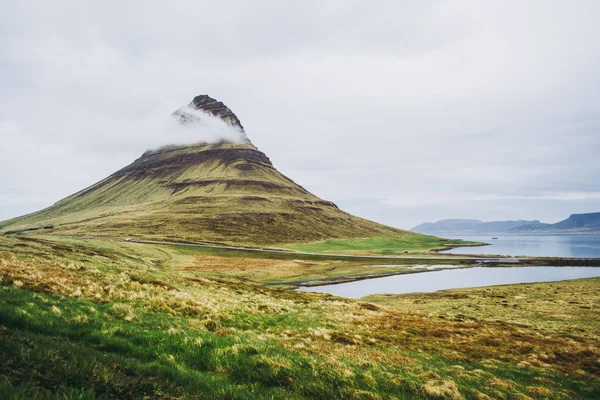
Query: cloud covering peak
212,120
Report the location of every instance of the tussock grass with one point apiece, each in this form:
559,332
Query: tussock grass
133,323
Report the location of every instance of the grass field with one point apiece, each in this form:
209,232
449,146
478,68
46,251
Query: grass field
570,307
381,245
282,268
102,319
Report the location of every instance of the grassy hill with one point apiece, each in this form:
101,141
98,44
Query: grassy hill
225,193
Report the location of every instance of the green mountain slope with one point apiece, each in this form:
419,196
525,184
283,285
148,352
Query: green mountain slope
224,192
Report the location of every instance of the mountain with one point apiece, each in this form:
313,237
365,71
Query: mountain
470,226
226,192
576,223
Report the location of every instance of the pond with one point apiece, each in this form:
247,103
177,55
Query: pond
454,279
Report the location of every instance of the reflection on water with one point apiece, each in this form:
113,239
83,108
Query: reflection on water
584,246
454,279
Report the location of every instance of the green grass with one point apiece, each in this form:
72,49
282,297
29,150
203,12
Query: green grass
381,245
58,345
108,355
368,259
79,349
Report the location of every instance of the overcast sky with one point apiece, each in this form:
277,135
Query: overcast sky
398,111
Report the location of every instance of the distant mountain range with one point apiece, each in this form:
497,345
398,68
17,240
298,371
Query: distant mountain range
576,223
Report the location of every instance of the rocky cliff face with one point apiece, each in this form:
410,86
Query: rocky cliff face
216,108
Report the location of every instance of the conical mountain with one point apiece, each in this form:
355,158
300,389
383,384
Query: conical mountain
227,192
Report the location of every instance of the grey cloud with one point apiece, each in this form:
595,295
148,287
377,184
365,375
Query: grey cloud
447,108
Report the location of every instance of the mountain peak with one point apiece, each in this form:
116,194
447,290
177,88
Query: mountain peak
219,122
217,108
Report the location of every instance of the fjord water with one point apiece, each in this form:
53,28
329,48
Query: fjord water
454,279
582,246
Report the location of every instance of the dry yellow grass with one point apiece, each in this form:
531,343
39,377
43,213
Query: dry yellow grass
570,307
278,271
252,268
